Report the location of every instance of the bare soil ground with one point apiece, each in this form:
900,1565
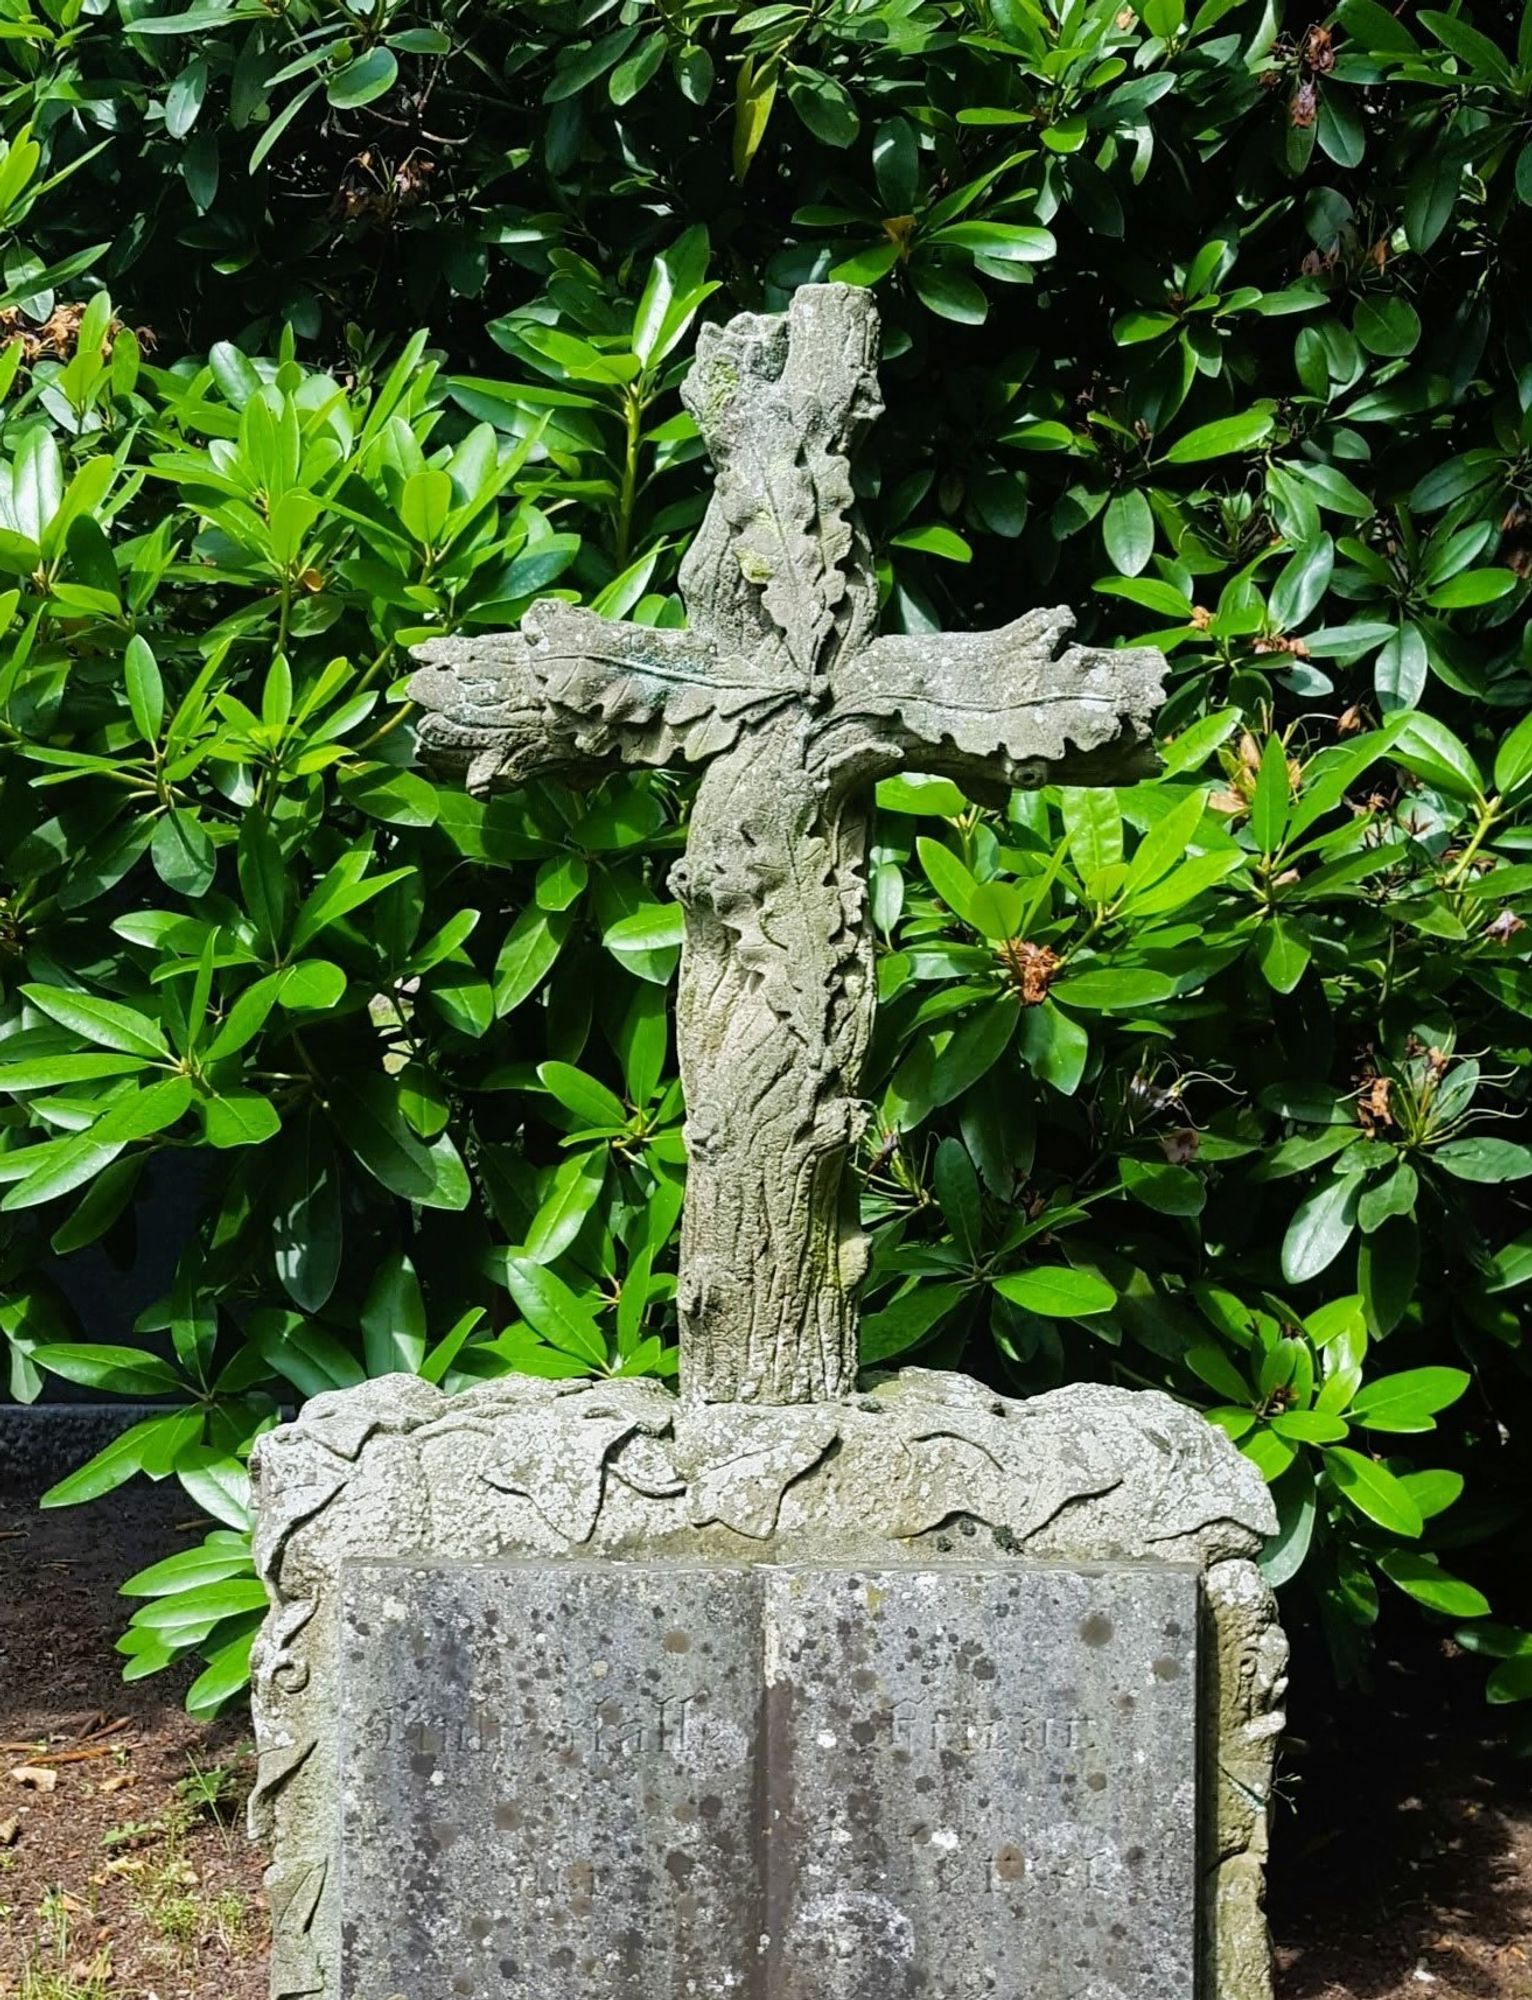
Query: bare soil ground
1402,1873
124,1869
1403,1852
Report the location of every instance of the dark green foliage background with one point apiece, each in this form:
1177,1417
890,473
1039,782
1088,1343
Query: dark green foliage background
1209,323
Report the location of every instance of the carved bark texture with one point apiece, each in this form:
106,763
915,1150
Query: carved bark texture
781,691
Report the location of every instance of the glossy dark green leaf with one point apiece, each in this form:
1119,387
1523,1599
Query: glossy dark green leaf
367,77
906,1321
1127,529
1054,1291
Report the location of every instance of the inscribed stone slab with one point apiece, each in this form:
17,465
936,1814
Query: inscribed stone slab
984,1783
646,1781
547,1776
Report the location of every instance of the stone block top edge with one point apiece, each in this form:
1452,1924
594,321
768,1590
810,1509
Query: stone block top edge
917,1558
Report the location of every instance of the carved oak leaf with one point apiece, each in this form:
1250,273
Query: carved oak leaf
293,1889
342,1420
741,1462
969,1456
644,1464
944,1474
559,1464
557,1456
1007,694
275,1768
572,687
780,401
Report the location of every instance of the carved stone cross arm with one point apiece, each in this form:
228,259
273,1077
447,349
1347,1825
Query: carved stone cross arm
1006,705
779,689
573,692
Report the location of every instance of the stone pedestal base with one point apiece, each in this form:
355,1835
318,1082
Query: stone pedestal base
822,1551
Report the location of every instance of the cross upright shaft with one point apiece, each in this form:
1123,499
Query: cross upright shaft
781,692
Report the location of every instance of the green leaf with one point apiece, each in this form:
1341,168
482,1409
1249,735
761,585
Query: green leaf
105,1023
1485,1160
551,1309
937,797
755,93
951,880
369,76
425,505
1302,583
977,1044
1409,1401
1401,669
946,291
1430,195
1172,1190
183,853
1127,529
226,1674
1054,1291
368,1117
630,76
1220,440
1510,1681
1310,1426
1387,326
1286,1552
904,1323
1320,1230
239,1118
561,880
572,1193
1429,749
146,691
1513,760
302,1353
57,1167
1165,844
1054,1046
1114,989
49,1072
306,1221
99,1207
656,927
1472,587
528,955
1213,1364
1424,1579
1387,1265
190,1615
896,165
935,540
1373,1490
394,1319
121,1371
1273,792
1394,1195
588,1098
145,1447
956,1187
1093,827
1482,55
1283,952
211,1563
1007,242
824,105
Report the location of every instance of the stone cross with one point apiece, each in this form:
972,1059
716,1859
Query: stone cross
781,693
